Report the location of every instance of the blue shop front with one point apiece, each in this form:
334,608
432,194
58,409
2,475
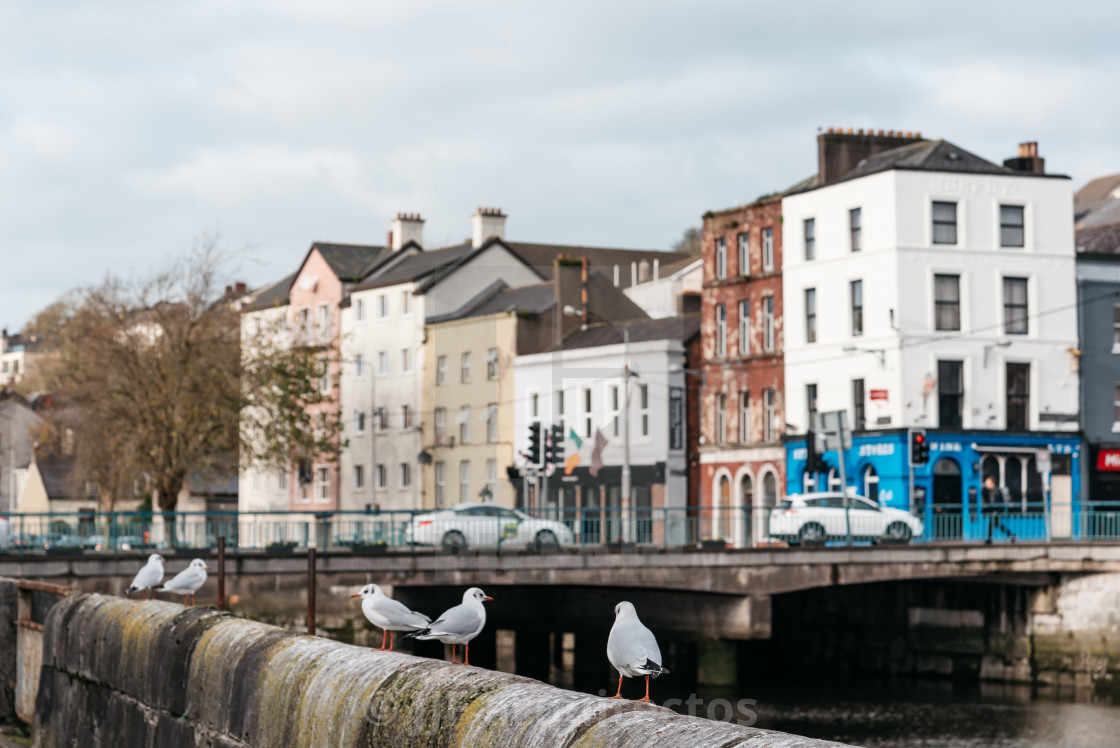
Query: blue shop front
947,490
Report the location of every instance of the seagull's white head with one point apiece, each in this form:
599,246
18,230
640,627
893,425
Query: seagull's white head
368,591
198,563
155,558
474,593
625,610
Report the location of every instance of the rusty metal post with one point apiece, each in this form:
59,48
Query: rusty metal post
221,572
311,591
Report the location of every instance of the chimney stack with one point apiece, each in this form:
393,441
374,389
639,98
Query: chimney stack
407,227
839,150
1028,159
486,224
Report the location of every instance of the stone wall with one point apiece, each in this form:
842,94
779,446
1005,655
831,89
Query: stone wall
9,605
125,673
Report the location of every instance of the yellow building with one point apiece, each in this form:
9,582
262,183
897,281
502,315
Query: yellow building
468,393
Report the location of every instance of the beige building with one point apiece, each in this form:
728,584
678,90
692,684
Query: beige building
468,393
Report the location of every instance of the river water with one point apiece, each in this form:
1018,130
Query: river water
912,713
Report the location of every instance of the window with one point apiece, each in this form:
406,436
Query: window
359,477
721,331
381,476
1018,396
325,378
944,223
1116,406
744,417
587,412
810,238
859,414
464,421
614,403
811,403
492,477
492,364
360,366
855,227
1116,328
440,418
721,258
360,310
744,240
643,408
1015,306
534,405
324,319
950,394
381,420
304,319
857,308
464,480
359,421
282,480
382,306
767,250
560,409
810,315
491,418
405,473
768,323
406,302
465,367
721,418
323,484
744,327
1011,226
382,363
769,414
441,370
441,483
406,418
406,360
947,302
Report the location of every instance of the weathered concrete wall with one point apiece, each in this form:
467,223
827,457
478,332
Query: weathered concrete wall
124,673
9,602
1075,633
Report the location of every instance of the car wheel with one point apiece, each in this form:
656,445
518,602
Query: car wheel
453,541
811,532
546,541
898,532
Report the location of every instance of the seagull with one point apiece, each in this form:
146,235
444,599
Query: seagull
148,577
632,649
457,625
188,581
388,614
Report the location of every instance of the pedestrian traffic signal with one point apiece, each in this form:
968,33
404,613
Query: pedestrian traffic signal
919,447
535,443
558,445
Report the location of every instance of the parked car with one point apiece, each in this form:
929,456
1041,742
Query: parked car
818,517
63,542
485,524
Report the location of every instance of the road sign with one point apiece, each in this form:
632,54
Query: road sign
834,424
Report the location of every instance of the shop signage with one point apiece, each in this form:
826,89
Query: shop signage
878,394
1108,459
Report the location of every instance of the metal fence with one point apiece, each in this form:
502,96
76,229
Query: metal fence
488,526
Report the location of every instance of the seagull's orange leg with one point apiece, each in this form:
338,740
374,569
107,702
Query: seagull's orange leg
390,641
467,654
619,694
382,647
453,660
646,699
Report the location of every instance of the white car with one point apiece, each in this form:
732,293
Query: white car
484,524
817,517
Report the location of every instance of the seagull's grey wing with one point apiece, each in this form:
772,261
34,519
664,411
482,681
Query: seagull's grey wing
188,580
458,621
149,576
631,644
398,614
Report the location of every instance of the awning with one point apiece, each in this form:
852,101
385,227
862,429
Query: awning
1008,450
464,415
488,412
491,355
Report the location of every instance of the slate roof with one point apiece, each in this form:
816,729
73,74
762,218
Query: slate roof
275,294
533,299
933,155
667,328
351,262
58,479
416,266
600,259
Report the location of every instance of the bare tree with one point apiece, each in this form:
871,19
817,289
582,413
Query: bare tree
689,242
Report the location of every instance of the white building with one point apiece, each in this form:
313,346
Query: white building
668,292
927,287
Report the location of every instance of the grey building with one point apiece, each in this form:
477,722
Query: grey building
17,420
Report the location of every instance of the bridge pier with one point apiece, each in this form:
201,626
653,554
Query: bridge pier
532,652
717,662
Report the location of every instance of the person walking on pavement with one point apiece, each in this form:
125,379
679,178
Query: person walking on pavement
995,500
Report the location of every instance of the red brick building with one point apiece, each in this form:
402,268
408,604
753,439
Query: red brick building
742,415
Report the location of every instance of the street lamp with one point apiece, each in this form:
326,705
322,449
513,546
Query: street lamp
1001,343
880,352
485,494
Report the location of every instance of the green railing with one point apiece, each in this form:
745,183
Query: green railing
698,527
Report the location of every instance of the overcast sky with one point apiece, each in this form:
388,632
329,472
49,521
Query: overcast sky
130,128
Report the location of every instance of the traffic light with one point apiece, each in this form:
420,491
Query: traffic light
919,447
535,443
557,445
814,461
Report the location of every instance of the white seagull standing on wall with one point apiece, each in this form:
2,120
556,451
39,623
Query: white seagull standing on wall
458,625
388,614
632,649
149,577
188,581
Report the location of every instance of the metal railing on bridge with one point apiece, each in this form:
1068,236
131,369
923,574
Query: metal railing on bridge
489,526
